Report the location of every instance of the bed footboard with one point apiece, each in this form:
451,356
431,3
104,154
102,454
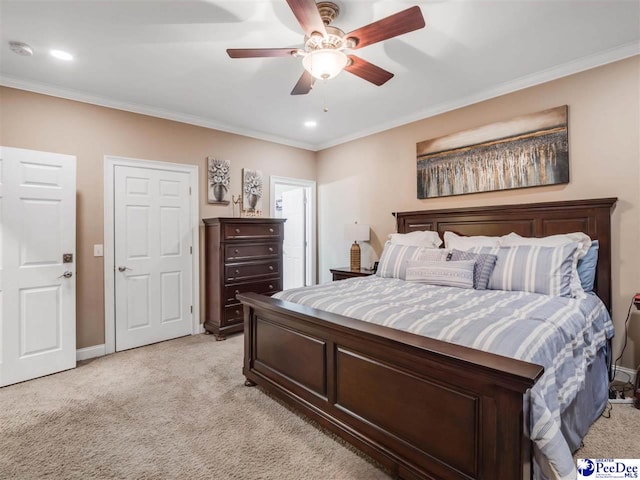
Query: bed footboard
424,408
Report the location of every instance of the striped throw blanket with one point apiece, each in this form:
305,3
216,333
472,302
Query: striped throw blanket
562,334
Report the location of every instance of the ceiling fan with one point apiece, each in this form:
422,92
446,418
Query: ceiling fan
323,55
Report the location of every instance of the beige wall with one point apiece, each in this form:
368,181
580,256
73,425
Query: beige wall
367,179
89,132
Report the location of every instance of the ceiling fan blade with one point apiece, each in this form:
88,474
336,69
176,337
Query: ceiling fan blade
368,71
397,24
306,11
260,52
304,85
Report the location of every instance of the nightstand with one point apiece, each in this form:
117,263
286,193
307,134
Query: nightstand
345,272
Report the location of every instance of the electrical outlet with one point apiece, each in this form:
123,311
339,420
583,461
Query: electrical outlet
98,251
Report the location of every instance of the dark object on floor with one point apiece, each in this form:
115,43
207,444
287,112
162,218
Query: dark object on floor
636,400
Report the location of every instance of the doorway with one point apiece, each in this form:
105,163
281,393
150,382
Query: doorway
295,200
37,264
151,252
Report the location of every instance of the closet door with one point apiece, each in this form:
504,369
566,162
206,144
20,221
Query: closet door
37,265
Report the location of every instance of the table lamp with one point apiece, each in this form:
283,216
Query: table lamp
358,233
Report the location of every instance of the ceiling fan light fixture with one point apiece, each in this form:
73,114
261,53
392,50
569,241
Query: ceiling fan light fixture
325,63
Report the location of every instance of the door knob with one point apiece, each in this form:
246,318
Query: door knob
66,274
124,269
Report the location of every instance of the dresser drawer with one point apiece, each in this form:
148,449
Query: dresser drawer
232,314
247,252
266,287
250,271
239,231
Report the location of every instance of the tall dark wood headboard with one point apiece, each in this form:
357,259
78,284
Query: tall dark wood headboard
592,217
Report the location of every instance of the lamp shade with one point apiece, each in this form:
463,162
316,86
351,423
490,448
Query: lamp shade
325,63
356,232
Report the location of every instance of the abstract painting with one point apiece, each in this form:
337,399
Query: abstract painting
527,151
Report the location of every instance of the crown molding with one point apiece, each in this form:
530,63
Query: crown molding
79,96
563,70
569,68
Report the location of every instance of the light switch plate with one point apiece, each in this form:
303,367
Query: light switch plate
98,251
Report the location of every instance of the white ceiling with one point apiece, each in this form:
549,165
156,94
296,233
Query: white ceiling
167,58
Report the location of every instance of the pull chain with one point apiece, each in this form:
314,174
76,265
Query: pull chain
325,109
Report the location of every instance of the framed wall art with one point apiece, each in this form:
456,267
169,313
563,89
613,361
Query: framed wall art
218,180
252,185
526,151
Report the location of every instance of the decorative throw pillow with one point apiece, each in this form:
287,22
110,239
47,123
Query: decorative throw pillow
447,274
484,264
587,267
582,240
530,268
460,242
418,239
394,258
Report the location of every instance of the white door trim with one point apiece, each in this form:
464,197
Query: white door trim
110,162
298,182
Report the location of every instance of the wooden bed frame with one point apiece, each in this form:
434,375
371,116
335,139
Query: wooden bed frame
424,408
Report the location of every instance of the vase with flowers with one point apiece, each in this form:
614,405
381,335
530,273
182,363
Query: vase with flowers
252,190
219,176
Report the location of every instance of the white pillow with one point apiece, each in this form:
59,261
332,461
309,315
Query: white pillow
448,274
583,240
459,242
583,243
417,239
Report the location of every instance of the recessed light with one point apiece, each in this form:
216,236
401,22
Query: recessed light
61,55
310,123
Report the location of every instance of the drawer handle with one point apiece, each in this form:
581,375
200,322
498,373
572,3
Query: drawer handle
271,267
237,312
237,272
237,292
236,251
270,287
271,230
237,230
271,249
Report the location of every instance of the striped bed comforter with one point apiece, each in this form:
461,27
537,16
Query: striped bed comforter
561,334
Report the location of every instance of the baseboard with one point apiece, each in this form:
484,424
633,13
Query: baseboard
625,375
90,352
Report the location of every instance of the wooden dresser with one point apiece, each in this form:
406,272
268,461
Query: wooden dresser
241,255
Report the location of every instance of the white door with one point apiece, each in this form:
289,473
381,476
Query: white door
152,255
293,250
37,287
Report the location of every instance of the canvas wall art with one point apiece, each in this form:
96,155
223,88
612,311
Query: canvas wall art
527,151
219,180
252,191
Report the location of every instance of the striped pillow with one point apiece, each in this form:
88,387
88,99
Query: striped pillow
530,268
393,262
447,274
485,262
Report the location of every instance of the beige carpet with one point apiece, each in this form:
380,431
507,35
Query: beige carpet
179,409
